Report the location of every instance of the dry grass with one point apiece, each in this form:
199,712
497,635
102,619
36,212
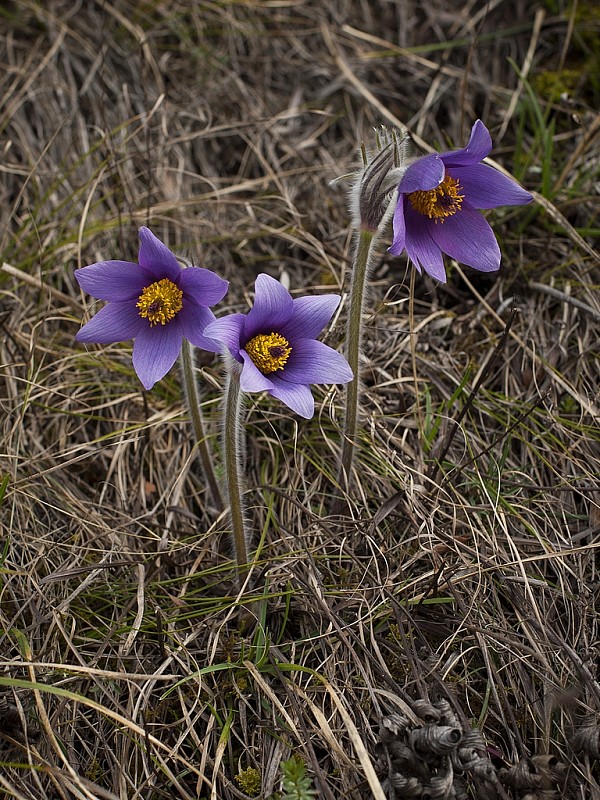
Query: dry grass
465,565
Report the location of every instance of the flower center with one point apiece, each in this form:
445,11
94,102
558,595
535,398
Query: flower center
443,201
269,352
160,302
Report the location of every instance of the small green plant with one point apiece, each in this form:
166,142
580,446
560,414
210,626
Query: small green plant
297,785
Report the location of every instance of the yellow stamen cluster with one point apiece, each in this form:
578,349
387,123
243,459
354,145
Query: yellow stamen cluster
269,352
160,302
439,203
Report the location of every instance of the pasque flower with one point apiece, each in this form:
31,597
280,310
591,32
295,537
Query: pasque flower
437,210
275,344
156,302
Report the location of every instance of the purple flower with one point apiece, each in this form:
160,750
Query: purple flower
276,345
156,302
438,198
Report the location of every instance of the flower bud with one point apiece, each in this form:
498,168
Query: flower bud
374,185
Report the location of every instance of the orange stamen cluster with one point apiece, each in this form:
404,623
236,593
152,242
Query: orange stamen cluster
439,203
160,302
269,352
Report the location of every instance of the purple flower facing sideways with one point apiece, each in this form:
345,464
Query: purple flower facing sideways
437,210
156,302
275,344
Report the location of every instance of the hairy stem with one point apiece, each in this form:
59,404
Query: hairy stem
232,438
365,242
192,396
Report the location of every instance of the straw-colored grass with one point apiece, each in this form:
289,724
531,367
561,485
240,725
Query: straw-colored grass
464,565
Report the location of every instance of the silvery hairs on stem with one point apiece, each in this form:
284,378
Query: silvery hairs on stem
371,194
372,186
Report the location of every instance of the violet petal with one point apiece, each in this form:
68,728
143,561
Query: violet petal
228,331
468,238
309,316
423,174
156,256
479,146
485,187
399,226
314,362
271,310
114,280
421,249
115,322
296,396
252,379
203,286
194,319
155,350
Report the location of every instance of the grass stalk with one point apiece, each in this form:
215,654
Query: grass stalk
192,396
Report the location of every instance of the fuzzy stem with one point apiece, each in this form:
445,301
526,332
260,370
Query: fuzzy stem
365,241
192,396
232,438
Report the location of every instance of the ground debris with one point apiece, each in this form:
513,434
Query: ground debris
433,757
12,728
586,740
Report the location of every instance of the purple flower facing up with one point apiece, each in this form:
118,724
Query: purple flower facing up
156,302
275,344
437,211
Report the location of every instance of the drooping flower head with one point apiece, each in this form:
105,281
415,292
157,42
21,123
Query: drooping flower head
437,210
157,302
275,344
